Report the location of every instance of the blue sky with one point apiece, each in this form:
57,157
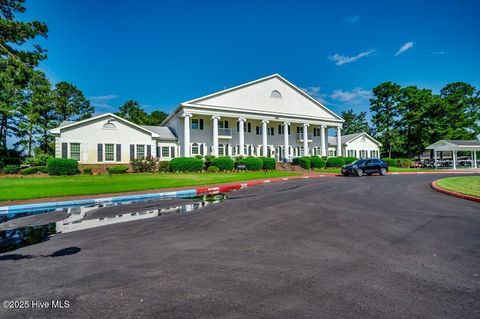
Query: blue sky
162,53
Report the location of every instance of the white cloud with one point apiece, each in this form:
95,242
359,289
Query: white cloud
348,96
103,101
351,20
314,91
405,47
439,52
341,59
104,97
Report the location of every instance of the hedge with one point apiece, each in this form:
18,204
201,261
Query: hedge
335,162
33,170
317,162
269,163
349,160
62,166
87,171
164,166
119,169
390,161
11,169
213,169
224,163
252,163
398,162
186,164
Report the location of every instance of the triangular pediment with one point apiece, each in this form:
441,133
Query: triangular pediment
272,95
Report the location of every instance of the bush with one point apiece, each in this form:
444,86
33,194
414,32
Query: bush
62,166
164,166
349,160
269,163
335,162
404,162
224,163
208,160
119,169
186,164
252,163
11,169
317,162
213,169
87,171
144,165
40,160
30,170
303,162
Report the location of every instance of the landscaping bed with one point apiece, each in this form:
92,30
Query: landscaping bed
467,185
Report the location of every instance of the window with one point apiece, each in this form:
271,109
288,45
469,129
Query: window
352,153
332,152
221,150
363,154
140,151
258,129
109,126
195,149
276,94
316,131
165,151
195,124
109,152
75,151
172,152
222,124
280,129
270,131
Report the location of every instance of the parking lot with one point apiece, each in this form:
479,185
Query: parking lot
336,247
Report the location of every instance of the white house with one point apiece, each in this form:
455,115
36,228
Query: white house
266,117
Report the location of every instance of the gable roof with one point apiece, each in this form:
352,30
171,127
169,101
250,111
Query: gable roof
67,124
218,99
332,140
456,143
164,132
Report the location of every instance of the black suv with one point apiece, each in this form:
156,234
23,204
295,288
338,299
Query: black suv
365,166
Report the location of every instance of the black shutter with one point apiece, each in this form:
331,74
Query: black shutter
201,146
149,151
119,152
298,129
172,152
132,152
158,151
279,129
100,152
289,130
64,150
238,127
201,123
258,130
273,131
249,128
226,124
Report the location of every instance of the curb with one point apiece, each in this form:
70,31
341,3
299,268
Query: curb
452,193
38,207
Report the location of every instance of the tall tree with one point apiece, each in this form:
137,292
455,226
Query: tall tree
133,112
156,118
17,59
70,103
355,122
384,106
38,97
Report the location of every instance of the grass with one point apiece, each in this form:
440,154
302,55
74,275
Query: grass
32,187
468,185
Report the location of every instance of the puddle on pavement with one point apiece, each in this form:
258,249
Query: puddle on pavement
12,239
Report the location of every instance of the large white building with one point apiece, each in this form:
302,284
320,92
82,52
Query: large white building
266,117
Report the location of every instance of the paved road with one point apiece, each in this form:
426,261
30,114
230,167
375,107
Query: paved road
370,247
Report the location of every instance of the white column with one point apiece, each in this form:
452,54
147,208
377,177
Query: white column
305,140
286,152
241,136
474,158
215,135
454,155
264,137
434,158
323,145
186,134
339,142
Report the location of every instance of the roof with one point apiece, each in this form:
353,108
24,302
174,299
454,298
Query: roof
164,132
332,140
454,144
66,123
463,142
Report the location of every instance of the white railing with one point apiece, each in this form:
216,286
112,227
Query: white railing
225,132
300,136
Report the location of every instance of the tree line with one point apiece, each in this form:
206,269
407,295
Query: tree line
408,119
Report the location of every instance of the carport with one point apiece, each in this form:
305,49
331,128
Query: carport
454,146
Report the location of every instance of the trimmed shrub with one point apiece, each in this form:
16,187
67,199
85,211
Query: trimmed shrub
30,170
62,166
390,161
224,163
349,160
208,160
186,164
40,160
404,162
11,169
144,165
87,171
119,169
213,169
304,162
317,162
252,163
269,163
335,162
164,166
42,169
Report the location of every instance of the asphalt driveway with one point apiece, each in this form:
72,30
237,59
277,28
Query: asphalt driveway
370,247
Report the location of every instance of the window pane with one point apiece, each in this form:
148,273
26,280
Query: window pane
109,152
165,151
194,149
75,151
140,151
195,124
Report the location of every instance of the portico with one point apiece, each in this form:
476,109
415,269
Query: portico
470,147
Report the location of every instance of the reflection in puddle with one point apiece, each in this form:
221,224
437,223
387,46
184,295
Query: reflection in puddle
20,237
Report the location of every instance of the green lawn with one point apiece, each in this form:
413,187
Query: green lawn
469,185
34,187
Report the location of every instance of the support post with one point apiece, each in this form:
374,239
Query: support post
454,155
305,140
286,152
186,134
241,136
323,144
339,142
264,137
434,159
215,135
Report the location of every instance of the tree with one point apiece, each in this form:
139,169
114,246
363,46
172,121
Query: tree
133,112
70,103
38,97
355,122
156,118
384,106
16,61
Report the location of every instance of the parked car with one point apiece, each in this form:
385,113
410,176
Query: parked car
365,167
